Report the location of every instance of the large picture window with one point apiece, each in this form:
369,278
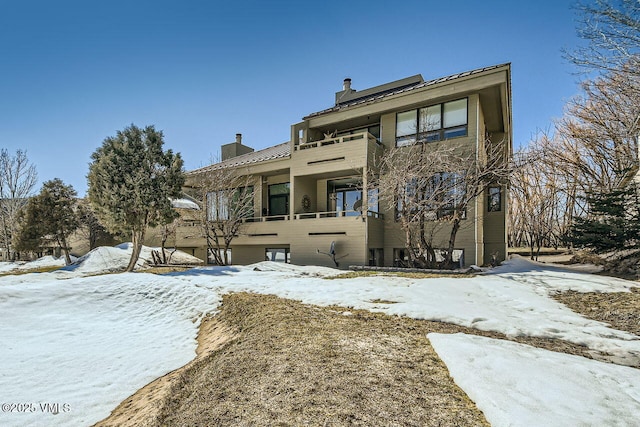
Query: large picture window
432,123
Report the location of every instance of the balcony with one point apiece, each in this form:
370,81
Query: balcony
363,136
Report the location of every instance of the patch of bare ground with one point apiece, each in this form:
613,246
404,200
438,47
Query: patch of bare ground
621,309
295,364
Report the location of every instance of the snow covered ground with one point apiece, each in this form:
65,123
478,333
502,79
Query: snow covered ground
516,384
46,261
89,342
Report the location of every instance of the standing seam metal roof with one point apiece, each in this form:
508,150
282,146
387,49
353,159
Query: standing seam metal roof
381,95
271,153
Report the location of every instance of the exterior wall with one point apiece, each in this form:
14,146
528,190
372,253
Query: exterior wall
244,255
304,238
469,236
305,186
495,223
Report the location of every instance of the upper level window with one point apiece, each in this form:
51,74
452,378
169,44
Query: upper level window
432,123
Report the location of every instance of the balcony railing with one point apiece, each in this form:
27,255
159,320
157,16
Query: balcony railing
362,136
336,214
310,215
267,218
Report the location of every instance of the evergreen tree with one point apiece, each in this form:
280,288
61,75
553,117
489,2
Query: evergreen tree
613,223
131,181
49,217
90,228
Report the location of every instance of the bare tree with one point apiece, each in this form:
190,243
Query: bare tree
538,205
611,29
596,138
431,188
593,151
226,195
165,233
17,179
595,146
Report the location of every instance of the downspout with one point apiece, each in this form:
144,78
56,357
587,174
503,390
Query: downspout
365,201
475,202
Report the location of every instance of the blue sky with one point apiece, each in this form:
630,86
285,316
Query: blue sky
74,72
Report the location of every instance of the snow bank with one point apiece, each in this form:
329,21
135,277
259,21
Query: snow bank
518,385
6,266
297,270
45,261
92,342
106,259
546,278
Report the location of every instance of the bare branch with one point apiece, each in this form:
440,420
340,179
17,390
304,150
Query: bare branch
227,201
18,178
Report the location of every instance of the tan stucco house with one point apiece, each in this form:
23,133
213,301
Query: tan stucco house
308,192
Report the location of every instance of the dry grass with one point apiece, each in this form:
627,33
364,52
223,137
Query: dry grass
621,309
165,269
294,364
